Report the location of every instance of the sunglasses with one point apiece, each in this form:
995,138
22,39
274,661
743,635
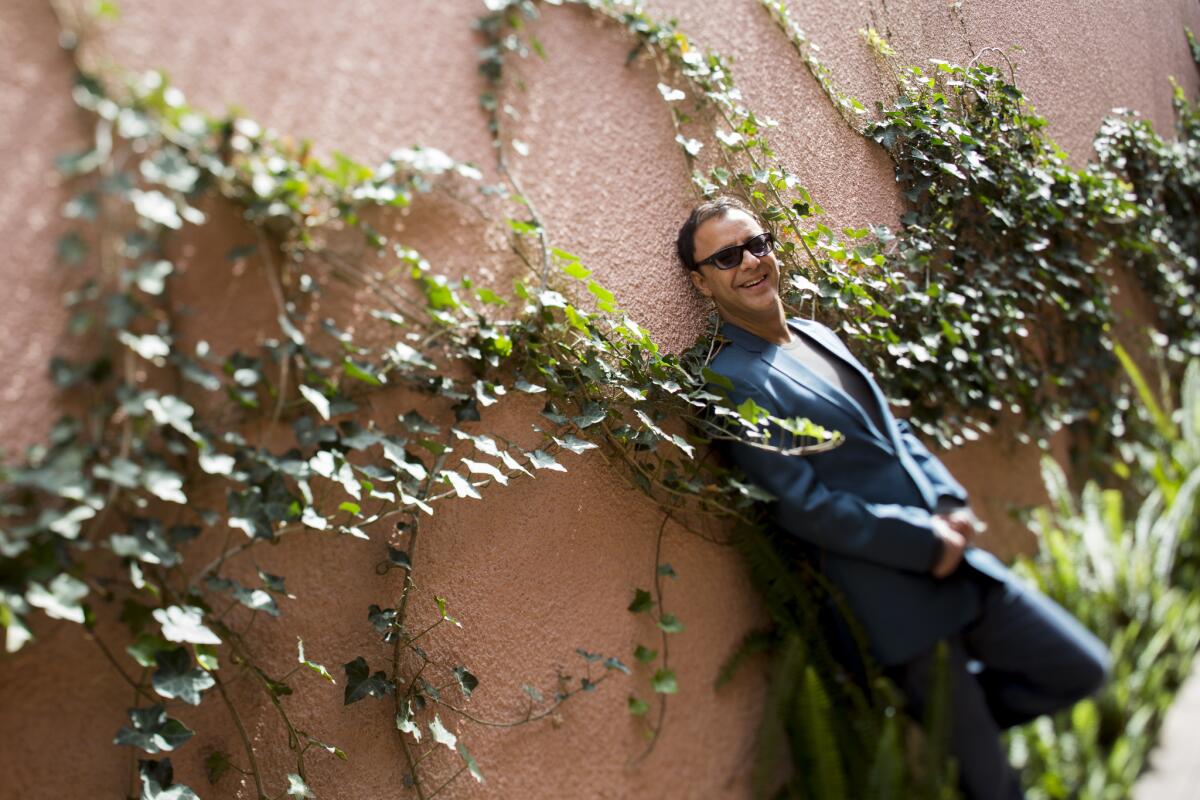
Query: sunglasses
731,257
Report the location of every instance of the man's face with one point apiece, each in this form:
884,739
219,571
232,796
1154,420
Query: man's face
747,292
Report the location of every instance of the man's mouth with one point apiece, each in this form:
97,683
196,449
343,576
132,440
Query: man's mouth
753,283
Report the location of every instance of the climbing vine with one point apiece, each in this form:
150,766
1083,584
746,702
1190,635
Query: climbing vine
989,299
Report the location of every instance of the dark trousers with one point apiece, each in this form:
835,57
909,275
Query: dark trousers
1024,656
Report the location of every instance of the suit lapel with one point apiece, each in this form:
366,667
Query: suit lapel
835,347
837,396
888,440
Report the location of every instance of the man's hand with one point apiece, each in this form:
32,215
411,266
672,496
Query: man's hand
953,545
965,522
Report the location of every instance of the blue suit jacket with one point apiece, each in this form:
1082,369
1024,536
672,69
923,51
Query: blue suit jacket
866,504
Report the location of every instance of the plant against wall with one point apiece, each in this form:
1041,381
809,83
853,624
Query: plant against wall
463,349
166,427
1128,575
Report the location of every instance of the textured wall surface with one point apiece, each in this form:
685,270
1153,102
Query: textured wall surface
545,566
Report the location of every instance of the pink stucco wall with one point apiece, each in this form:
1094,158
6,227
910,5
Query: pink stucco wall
545,566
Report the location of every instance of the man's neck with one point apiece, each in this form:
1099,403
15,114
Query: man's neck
770,328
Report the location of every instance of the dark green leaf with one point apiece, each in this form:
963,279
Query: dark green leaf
642,601
360,684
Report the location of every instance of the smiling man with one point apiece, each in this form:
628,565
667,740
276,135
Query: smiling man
889,525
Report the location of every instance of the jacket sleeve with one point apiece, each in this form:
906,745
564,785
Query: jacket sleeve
896,536
943,482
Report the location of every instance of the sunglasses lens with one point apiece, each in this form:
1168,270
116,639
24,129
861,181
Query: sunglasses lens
728,259
760,245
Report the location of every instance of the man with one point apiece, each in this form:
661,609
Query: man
892,525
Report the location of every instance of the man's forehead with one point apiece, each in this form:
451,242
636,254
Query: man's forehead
728,228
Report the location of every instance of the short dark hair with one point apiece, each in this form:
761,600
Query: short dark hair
685,244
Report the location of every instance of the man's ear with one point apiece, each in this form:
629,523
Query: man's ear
701,284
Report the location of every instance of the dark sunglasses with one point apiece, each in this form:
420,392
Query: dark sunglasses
731,257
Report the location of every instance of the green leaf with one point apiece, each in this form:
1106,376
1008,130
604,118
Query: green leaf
644,654
664,682
145,647
185,624
642,601
360,684
206,656
317,668
462,487
670,623
216,765
466,681
297,787
543,460
666,570
152,730
469,760
441,735
605,300
177,678
158,784
637,707
360,373
319,401
60,599
350,507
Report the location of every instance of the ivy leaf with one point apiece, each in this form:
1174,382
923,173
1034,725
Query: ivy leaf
405,723
317,668
637,707
60,600
145,647
574,444
256,600
690,146
441,606
664,682
462,487
472,764
466,681
72,249
441,735
644,654
216,765
666,570
297,787
360,684
616,663
152,730
333,750
184,624
157,783
670,623
318,400
669,94
642,601
482,468
177,678
543,460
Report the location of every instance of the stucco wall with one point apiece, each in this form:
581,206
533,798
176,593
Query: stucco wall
545,566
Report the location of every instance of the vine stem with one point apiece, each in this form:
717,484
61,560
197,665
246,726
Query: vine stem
531,717
401,615
241,729
658,600
137,687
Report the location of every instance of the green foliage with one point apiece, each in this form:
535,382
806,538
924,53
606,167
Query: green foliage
1158,239
1001,234
1123,575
